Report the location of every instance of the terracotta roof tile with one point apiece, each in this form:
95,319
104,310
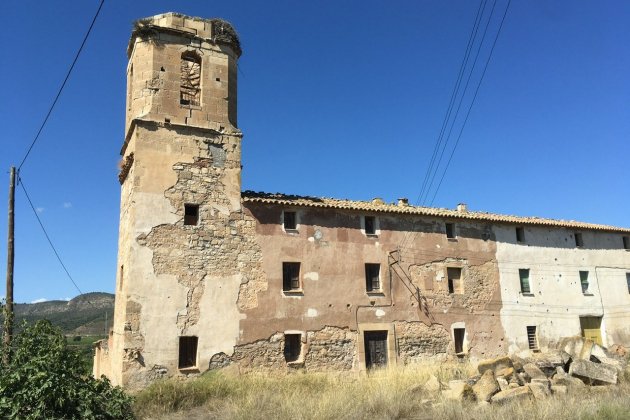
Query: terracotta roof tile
381,207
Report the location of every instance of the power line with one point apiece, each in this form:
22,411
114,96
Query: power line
28,198
76,57
471,103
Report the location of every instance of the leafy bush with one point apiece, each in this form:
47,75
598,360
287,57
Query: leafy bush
46,379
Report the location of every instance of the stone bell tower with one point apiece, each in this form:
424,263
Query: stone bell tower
180,201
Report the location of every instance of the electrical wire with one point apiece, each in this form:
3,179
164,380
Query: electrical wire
76,57
41,225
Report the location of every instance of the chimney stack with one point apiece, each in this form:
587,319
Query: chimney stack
402,202
462,208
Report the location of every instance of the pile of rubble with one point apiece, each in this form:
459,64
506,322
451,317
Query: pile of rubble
576,364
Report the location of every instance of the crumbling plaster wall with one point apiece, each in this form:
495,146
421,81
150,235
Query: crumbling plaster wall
332,251
556,301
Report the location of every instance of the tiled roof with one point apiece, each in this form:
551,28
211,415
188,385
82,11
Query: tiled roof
379,206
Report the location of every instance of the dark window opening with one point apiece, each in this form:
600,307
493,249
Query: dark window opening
520,234
290,276
458,334
375,349
191,214
372,277
584,281
450,230
579,242
628,281
292,347
532,340
190,82
218,79
290,222
626,242
122,276
523,275
370,225
187,352
454,280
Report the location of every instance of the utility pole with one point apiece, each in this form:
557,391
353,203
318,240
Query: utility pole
8,312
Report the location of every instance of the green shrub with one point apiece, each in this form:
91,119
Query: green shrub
44,378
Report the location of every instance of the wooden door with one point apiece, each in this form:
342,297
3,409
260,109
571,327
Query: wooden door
375,349
591,328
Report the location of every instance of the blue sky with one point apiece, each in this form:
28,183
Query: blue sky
336,98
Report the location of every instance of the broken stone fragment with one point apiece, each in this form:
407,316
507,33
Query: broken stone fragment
458,390
533,371
505,373
494,364
432,385
486,387
517,394
570,382
593,372
503,383
539,390
558,389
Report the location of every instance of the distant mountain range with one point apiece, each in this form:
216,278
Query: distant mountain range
83,315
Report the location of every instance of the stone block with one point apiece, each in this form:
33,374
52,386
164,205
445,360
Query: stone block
539,390
593,372
486,386
517,394
503,383
587,348
572,346
458,390
533,371
568,381
505,373
432,385
494,364
608,358
559,389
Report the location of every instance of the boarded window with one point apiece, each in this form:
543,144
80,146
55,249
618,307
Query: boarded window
190,84
626,242
455,285
579,242
290,276
458,335
532,340
290,221
372,277
370,225
375,349
450,230
523,275
191,214
584,281
520,234
292,347
187,352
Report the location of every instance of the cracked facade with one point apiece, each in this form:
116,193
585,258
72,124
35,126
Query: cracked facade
210,276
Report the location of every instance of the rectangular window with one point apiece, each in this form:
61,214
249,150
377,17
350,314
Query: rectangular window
370,225
122,276
290,276
579,242
520,234
191,214
584,281
523,274
626,242
292,347
458,335
450,230
187,352
190,79
455,280
532,340
628,281
372,277
290,221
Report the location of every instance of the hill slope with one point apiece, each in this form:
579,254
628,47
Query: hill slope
83,315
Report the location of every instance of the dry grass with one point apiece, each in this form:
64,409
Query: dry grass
391,394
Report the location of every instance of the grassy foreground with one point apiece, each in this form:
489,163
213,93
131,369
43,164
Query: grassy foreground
391,394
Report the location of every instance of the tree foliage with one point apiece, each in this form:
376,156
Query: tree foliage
44,378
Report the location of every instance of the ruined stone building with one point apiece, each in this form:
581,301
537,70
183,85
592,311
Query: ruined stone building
210,276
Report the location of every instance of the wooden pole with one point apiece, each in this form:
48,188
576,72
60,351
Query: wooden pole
8,311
